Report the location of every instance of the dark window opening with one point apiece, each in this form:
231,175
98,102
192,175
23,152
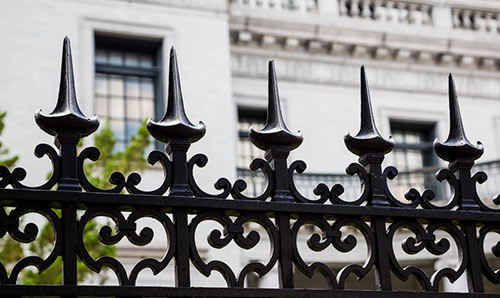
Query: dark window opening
128,85
246,150
413,149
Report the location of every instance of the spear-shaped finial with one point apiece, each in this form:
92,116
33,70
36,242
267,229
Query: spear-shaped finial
66,116
175,124
368,139
457,146
275,132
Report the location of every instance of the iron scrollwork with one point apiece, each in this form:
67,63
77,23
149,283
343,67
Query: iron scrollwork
425,238
234,231
281,210
126,227
332,235
10,223
223,184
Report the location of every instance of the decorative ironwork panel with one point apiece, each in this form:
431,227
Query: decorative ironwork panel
279,214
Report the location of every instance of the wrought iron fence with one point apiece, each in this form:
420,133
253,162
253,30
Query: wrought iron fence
419,179
280,209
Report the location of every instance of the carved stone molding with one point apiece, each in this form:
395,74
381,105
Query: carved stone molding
341,73
395,51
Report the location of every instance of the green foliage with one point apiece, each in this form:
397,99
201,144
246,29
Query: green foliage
4,160
44,245
11,250
132,158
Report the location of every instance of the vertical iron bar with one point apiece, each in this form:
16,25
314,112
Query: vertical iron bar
182,275
276,156
474,270
177,150
69,251
382,265
67,143
285,264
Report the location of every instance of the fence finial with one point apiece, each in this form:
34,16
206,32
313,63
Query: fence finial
67,115
368,139
457,146
275,132
68,124
175,123
177,132
460,153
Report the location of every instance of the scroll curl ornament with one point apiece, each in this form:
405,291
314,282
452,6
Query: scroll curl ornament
93,154
426,239
240,185
10,223
338,189
320,190
234,231
332,235
153,158
479,178
492,275
18,174
4,176
391,173
201,161
126,227
413,195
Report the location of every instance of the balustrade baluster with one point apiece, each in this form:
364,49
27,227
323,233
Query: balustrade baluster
343,8
466,19
379,11
355,11
365,9
402,13
392,12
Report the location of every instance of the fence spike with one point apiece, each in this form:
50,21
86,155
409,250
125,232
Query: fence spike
177,132
368,139
457,146
175,123
275,132
460,153
67,115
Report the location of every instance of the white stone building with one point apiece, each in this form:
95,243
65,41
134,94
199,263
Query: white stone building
120,51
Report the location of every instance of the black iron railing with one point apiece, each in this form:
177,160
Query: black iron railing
280,209
421,179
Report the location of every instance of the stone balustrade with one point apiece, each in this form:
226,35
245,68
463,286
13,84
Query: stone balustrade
413,12
300,6
397,12
477,20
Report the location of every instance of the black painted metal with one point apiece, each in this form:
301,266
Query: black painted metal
280,210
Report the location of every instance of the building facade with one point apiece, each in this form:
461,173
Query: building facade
120,51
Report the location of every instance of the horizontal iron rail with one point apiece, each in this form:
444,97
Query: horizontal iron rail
125,202
138,291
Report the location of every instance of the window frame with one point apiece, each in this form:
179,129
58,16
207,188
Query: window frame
425,147
122,44
244,112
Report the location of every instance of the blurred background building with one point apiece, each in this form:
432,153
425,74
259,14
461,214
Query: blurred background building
120,52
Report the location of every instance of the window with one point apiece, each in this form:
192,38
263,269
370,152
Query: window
127,83
413,149
413,152
246,150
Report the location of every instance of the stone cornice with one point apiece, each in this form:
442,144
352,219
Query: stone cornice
478,54
218,6
449,34
387,75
